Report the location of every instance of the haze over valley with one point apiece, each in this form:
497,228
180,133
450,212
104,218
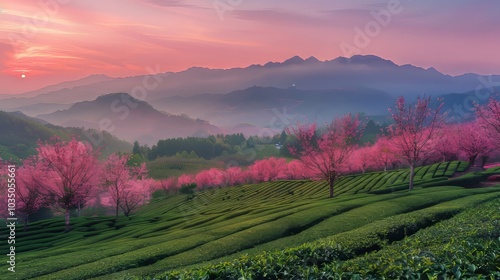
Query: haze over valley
202,101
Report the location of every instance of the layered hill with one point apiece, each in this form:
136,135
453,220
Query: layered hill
130,119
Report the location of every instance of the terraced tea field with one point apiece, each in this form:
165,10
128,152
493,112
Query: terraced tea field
224,224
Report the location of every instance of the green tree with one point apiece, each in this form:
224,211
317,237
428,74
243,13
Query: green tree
136,150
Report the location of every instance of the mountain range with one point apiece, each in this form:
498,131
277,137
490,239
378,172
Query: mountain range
358,73
200,101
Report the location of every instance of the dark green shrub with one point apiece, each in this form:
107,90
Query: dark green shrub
188,189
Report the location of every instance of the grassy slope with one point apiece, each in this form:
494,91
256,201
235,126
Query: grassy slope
220,224
437,242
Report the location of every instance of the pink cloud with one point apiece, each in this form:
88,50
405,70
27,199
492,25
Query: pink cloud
121,38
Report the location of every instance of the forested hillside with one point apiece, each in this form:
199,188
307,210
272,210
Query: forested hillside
19,135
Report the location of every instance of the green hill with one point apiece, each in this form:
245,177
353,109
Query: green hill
312,233
19,134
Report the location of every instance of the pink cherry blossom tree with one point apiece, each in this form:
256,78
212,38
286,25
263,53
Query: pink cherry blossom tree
209,178
296,170
168,185
413,128
327,154
384,153
118,178
474,141
184,180
270,169
489,117
29,196
233,176
71,173
137,194
363,158
444,144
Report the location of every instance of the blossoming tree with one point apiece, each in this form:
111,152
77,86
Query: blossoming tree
118,179
71,173
327,154
413,128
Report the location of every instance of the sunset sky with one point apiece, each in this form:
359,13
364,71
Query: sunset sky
76,38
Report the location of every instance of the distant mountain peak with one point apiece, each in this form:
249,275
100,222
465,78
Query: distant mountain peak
432,69
198,68
364,59
100,76
293,60
113,95
88,79
367,57
370,59
122,97
312,59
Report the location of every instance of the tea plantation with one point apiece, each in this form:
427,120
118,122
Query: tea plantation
373,228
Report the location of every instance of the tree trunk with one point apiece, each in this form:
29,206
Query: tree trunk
79,209
25,224
118,202
66,222
472,159
331,188
332,178
412,176
484,160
